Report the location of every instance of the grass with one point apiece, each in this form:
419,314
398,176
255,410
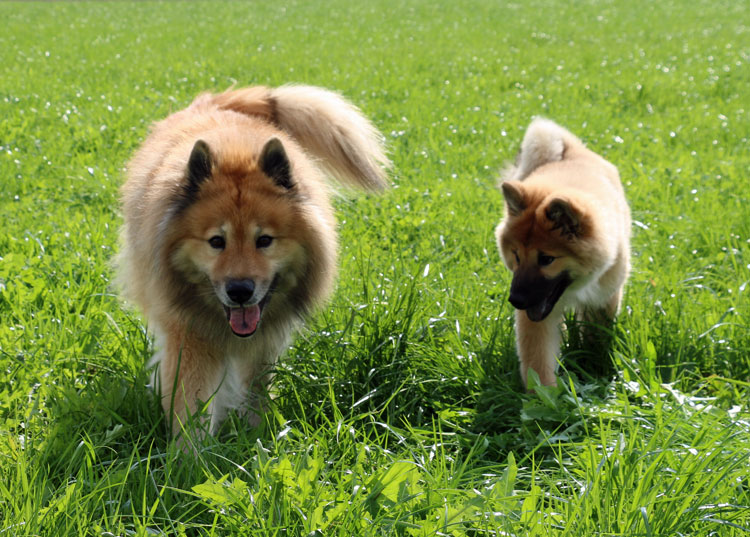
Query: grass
398,410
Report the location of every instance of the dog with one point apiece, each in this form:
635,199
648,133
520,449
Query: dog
229,239
566,238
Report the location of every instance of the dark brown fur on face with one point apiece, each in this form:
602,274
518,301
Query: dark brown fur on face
540,231
537,295
229,237
565,236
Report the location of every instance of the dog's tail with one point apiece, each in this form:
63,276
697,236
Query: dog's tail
332,129
545,141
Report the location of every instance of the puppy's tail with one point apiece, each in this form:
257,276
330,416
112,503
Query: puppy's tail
545,141
332,129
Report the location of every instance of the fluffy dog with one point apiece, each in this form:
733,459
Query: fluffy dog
565,237
229,237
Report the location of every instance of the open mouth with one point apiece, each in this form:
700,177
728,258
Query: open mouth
541,310
244,320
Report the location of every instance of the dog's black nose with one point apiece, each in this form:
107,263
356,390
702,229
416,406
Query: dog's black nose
240,291
518,301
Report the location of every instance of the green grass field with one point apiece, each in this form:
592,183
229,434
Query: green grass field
399,409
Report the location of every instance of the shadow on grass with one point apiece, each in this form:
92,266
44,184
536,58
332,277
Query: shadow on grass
587,350
530,423
109,414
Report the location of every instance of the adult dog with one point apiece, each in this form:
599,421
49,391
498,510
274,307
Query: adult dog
229,237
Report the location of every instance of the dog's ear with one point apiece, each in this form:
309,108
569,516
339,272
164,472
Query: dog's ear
275,163
199,165
514,198
565,217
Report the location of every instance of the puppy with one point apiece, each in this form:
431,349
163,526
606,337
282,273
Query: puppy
565,237
229,238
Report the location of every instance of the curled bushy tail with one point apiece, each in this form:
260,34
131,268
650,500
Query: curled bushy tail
545,141
328,126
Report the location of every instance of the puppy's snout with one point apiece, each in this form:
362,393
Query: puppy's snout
240,291
525,290
517,300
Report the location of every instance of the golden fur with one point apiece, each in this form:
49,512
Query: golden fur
565,236
229,228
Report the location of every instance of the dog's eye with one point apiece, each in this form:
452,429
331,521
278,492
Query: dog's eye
264,241
217,242
544,259
518,259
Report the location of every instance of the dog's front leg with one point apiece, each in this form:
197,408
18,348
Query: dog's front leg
190,373
538,344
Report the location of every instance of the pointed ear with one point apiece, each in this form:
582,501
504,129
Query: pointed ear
514,197
565,217
275,164
199,165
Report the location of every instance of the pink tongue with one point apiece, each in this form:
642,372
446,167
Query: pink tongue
244,321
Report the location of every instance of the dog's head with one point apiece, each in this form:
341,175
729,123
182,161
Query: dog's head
542,240
238,231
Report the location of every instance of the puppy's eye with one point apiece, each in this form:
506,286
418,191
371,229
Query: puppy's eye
218,242
544,259
518,259
264,241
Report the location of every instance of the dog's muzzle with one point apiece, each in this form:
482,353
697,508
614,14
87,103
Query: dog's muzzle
537,295
245,312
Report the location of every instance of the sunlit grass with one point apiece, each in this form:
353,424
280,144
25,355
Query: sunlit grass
398,411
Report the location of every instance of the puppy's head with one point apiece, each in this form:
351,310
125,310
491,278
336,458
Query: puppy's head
236,231
541,240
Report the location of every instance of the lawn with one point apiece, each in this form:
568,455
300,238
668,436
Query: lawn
399,409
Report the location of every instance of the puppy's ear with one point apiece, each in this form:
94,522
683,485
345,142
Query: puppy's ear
275,163
199,165
565,217
514,197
